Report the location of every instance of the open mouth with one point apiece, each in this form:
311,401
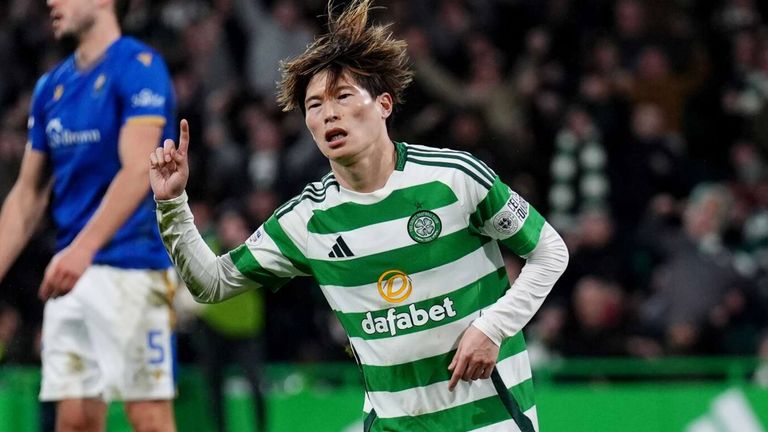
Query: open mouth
333,136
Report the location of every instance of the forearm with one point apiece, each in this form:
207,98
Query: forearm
543,267
209,278
19,218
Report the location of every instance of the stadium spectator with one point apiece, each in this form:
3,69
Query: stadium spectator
650,164
579,171
695,278
273,35
597,325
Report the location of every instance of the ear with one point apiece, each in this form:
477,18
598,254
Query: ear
385,104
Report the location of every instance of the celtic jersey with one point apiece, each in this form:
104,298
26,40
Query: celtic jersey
406,269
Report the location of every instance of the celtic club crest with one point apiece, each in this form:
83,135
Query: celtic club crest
424,226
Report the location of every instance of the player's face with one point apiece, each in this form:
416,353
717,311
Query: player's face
347,122
71,17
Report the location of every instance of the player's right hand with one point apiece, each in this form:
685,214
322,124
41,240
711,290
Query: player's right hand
169,167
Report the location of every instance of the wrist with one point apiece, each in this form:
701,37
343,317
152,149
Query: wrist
488,331
85,245
171,202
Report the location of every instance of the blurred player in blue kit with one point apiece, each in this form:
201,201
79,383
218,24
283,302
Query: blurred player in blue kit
93,120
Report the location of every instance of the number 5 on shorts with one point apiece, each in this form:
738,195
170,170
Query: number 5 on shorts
156,346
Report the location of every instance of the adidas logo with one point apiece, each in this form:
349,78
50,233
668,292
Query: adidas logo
340,249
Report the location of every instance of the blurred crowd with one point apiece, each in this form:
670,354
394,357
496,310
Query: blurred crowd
639,128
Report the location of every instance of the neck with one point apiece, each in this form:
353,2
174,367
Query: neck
370,171
93,43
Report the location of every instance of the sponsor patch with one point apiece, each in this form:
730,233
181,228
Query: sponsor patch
394,286
505,222
146,98
518,206
256,238
393,320
59,136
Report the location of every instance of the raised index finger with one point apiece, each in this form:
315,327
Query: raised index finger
184,137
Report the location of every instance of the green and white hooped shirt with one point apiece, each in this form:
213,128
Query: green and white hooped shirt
406,269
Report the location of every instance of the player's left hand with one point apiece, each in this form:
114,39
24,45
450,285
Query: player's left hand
63,272
475,357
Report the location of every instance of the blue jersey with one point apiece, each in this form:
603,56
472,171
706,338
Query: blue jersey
76,117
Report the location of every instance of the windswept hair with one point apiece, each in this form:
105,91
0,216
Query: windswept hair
370,54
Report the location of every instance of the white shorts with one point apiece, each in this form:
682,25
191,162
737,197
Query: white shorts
111,337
